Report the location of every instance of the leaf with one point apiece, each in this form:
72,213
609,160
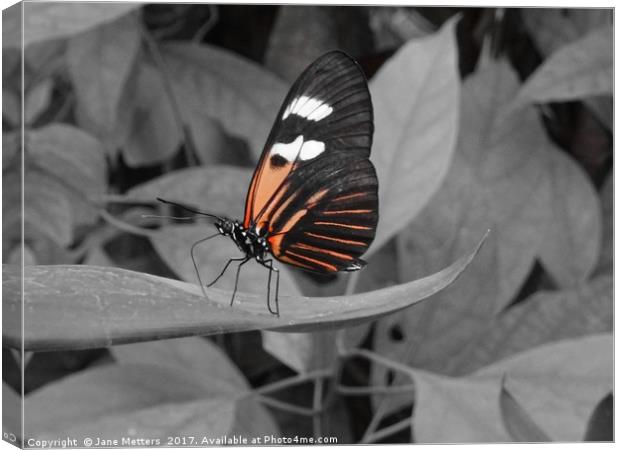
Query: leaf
71,155
99,62
582,68
75,160
416,102
544,317
45,21
11,107
211,368
37,99
552,28
242,96
71,307
134,400
300,34
571,247
605,264
497,181
148,131
560,383
11,144
197,356
47,208
218,190
557,385
519,424
601,423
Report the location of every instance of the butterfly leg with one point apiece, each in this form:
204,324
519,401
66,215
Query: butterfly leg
237,278
191,253
224,270
269,265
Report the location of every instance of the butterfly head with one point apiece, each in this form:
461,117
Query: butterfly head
226,227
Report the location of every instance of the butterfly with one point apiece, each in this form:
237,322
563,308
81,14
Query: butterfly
312,202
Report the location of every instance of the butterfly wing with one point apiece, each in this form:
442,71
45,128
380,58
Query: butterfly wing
314,187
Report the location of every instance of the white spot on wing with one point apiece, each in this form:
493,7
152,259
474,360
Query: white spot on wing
311,149
288,151
308,108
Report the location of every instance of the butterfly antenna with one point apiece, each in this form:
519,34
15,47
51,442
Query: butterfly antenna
186,208
152,216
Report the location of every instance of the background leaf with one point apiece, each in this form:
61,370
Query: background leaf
107,306
571,247
147,128
138,400
544,317
43,21
558,385
519,424
605,265
37,99
416,106
242,96
582,68
99,62
217,189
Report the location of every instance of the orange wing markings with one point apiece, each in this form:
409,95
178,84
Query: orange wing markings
269,183
314,199
249,201
341,241
347,211
344,225
302,246
348,197
328,266
268,209
293,262
276,215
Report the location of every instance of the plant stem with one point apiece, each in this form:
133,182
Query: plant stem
291,381
317,405
387,431
366,390
284,406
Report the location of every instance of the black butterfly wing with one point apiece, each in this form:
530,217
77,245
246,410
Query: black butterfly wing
327,113
329,215
315,189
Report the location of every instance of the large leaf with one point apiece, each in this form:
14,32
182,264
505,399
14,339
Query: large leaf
557,385
86,306
517,421
545,316
416,102
497,181
242,96
45,21
148,131
583,68
128,400
571,247
99,62
11,413
37,99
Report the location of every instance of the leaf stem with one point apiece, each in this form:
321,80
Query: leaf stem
317,405
387,431
292,381
366,390
284,406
